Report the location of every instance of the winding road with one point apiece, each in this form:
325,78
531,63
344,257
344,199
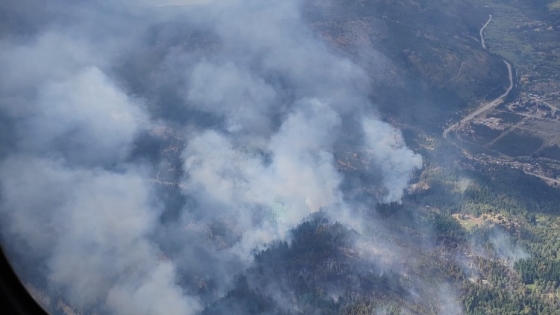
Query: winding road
482,30
490,105
484,106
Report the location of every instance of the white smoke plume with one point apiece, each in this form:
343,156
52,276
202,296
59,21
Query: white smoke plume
506,248
75,201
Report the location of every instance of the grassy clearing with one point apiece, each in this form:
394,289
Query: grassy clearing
484,134
518,143
468,221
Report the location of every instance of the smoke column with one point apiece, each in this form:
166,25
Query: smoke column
267,105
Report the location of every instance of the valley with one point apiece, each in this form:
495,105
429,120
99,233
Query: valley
520,132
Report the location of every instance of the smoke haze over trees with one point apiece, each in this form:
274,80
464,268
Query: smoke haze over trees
265,157
257,104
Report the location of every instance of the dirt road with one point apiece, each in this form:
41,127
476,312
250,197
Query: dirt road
482,31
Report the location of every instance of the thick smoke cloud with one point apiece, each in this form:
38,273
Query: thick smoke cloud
91,227
390,152
85,117
280,103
